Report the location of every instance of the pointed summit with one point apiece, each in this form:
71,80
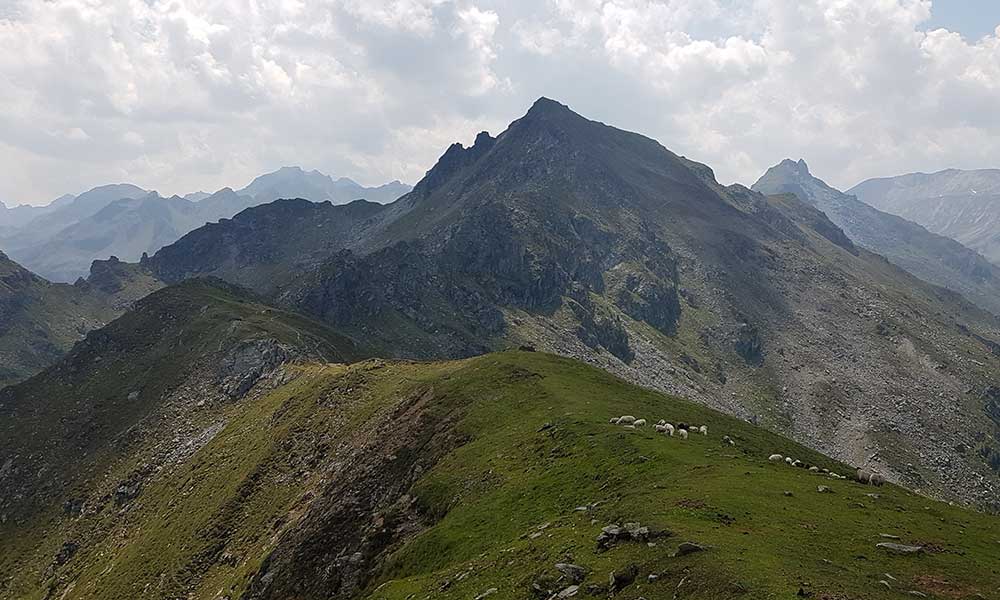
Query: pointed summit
548,107
793,177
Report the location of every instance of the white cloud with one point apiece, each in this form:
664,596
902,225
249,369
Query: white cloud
196,94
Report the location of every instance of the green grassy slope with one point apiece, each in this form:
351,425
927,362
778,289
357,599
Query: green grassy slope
448,480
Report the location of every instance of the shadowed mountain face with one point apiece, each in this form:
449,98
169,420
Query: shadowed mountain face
934,258
963,205
601,244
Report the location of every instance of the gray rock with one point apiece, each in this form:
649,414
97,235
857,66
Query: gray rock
632,532
621,579
689,548
574,573
899,548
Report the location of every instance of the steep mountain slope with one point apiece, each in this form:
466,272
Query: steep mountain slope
934,258
428,480
293,182
963,205
598,243
39,320
141,394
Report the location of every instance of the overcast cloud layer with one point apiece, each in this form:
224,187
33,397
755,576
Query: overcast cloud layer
181,95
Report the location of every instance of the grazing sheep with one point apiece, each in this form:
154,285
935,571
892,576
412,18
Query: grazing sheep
659,428
640,422
703,430
728,441
814,469
869,478
682,425
668,429
626,420
661,422
776,458
614,420
789,460
797,463
683,433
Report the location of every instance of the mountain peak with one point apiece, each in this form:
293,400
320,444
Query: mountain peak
453,160
799,166
546,107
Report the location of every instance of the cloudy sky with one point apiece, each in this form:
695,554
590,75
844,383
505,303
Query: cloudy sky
185,95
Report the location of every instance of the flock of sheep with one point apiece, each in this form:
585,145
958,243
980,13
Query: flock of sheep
630,422
682,429
862,475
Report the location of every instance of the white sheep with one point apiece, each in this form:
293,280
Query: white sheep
789,459
626,420
640,422
683,433
660,428
668,429
661,422
776,458
703,430
614,420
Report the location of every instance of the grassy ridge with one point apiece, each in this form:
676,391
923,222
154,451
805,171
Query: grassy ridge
498,510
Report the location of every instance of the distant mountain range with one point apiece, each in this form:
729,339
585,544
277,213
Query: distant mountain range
963,205
293,182
60,240
931,257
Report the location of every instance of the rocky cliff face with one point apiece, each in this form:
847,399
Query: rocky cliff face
601,244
